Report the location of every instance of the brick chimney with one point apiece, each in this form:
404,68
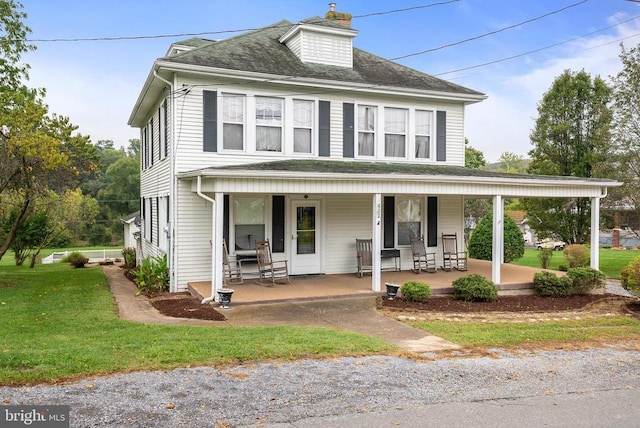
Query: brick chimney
338,17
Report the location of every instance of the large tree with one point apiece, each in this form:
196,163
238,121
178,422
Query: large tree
38,151
571,137
626,139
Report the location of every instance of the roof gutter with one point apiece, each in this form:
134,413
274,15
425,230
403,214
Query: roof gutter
286,175
330,85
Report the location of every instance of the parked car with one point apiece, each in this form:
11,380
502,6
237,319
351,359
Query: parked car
551,243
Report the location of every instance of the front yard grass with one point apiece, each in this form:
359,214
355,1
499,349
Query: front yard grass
536,334
611,261
61,323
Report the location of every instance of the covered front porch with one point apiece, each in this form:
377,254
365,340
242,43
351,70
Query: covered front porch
515,279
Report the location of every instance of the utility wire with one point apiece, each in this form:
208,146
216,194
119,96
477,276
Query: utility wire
546,47
208,33
490,33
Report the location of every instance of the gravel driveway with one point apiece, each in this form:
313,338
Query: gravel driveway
272,393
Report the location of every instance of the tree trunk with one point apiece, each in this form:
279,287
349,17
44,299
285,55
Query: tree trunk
14,228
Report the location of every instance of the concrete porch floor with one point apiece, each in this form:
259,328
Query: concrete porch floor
515,279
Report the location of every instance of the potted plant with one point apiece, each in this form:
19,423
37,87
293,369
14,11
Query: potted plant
392,290
224,297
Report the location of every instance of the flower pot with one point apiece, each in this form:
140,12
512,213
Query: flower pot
392,290
224,297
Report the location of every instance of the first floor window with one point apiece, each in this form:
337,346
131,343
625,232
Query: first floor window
366,130
423,134
408,217
302,126
249,222
268,124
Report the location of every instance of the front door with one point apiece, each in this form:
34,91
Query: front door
306,238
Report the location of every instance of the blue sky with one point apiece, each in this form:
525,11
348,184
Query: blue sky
96,83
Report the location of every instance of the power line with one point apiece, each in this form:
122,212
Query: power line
209,33
510,27
546,47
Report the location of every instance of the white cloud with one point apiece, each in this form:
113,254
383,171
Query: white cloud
503,122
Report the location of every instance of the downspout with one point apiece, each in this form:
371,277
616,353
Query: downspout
213,240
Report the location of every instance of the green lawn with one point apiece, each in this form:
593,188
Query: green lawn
611,261
59,322
9,259
539,333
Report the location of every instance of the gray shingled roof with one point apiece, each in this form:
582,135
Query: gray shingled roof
260,51
376,168
195,42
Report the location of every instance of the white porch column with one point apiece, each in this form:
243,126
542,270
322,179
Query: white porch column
595,233
376,245
216,247
498,239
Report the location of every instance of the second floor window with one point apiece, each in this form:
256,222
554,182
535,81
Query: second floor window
232,122
395,132
423,134
366,130
268,124
302,126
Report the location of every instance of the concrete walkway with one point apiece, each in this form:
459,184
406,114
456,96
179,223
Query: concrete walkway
357,314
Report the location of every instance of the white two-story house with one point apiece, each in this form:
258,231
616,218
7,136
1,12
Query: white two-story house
292,134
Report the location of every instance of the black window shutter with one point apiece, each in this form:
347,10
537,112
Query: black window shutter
158,219
143,216
441,137
347,130
225,221
389,207
165,129
277,224
210,121
151,142
150,201
143,146
432,221
324,129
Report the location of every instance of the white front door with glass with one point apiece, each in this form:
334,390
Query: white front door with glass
306,238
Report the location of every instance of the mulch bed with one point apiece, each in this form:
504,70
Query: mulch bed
519,303
187,307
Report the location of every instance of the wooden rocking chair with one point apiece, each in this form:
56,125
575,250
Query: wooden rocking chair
451,257
422,261
231,266
364,256
269,270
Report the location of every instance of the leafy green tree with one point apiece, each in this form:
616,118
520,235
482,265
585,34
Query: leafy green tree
626,139
511,163
571,138
473,158
474,209
133,150
38,151
481,246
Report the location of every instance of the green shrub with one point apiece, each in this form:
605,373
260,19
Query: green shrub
480,243
585,279
76,259
415,291
129,257
152,276
474,288
544,257
630,275
576,255
549,284
563,268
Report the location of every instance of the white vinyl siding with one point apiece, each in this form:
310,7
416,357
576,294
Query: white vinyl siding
327,49
192,237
